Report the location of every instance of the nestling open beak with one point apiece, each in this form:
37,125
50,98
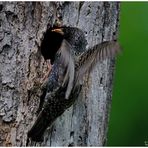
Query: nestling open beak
58,31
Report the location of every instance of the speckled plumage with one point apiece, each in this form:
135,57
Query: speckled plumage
76,38
53,99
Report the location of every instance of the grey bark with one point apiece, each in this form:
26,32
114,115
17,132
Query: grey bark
22,68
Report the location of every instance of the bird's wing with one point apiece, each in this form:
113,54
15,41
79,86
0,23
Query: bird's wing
67,61
99,52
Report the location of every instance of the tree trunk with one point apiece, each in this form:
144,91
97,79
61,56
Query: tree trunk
22,26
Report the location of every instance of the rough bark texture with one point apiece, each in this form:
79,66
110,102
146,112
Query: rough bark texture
21,70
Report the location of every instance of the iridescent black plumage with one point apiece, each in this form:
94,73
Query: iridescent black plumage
54,91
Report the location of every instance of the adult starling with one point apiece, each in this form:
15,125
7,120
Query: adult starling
54,97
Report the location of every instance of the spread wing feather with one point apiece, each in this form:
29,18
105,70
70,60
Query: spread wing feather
97,53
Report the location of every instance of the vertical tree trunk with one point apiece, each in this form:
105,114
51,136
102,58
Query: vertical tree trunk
21,70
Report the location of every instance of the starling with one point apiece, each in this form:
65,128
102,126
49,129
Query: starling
54,98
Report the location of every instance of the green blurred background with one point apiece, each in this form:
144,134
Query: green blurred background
128,124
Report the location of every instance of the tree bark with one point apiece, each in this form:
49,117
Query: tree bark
22,26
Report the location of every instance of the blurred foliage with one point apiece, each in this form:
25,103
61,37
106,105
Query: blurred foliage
128,124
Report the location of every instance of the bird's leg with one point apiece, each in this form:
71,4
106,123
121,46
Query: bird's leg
48,71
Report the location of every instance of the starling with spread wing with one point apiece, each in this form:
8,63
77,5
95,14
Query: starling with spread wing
57,95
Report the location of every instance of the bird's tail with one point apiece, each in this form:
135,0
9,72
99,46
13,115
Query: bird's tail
53,108
97,53
39,127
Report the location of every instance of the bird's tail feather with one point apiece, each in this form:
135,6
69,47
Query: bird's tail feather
39,127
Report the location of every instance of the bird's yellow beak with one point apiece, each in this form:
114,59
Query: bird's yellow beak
58,31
